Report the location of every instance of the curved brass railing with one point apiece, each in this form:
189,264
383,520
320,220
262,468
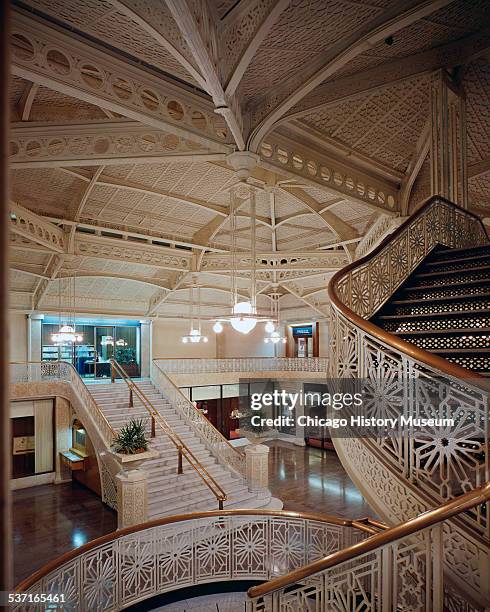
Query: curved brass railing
183,450
242,520
212,438
387,536
429,466
343,303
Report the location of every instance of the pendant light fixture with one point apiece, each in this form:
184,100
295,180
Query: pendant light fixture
195,336
243,317
66,333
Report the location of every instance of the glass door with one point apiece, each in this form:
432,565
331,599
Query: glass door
104,350
126,349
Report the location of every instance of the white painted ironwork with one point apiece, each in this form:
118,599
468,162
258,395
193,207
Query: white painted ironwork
186,551
247,365
425,466
213,439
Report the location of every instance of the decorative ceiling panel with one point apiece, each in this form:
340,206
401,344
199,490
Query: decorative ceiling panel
101,20
49,105
305,30
385,124
46,191
476,83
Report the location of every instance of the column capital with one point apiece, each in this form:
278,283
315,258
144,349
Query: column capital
243,162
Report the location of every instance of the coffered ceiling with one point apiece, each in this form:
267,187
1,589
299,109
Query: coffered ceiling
124,113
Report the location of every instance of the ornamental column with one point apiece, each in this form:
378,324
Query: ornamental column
448,139
257,457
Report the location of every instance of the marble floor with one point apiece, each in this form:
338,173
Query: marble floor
50,520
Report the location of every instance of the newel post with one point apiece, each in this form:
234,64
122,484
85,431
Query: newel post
132,488
257,458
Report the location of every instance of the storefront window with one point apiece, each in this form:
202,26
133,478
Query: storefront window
91,357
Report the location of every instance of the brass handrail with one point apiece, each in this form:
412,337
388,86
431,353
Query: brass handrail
422,521
49,567
227,442
183,449
392,340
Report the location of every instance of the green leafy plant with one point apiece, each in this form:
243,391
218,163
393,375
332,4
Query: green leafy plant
125,355
131,438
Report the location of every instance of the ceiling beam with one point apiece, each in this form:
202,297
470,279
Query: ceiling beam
35,228
25,103
297,292
139,13
343,230
158,298
200,34
127,185
301,158
400,14
100,142
388,73
257,39
479,168
78,68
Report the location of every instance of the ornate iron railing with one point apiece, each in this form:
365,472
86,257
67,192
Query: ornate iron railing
157,418
213,439
399,568
242,365
433,463
62,371
133,564
59,378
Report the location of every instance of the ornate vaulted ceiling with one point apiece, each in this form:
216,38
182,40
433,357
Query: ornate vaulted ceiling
124,113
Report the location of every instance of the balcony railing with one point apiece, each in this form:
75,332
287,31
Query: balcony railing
136,563
243,365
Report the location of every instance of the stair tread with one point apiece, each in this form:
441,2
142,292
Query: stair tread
459,331
478,281
448,298
433,315
446,272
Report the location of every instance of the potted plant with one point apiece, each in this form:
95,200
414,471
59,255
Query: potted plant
126,357
131,438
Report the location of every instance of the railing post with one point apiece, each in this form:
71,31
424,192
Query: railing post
153,432
179,464
437,551
220,504
130,397
386,568
113,373
257,457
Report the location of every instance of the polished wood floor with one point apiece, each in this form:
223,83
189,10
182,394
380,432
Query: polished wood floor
50,520
313,480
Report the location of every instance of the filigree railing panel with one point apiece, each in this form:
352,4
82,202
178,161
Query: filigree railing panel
61,378
139,565
403,575
242,365
442,461
213,439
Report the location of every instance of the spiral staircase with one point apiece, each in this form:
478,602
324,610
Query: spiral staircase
412,320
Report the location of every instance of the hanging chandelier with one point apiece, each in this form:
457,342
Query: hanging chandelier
194,336
243,317
67,333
